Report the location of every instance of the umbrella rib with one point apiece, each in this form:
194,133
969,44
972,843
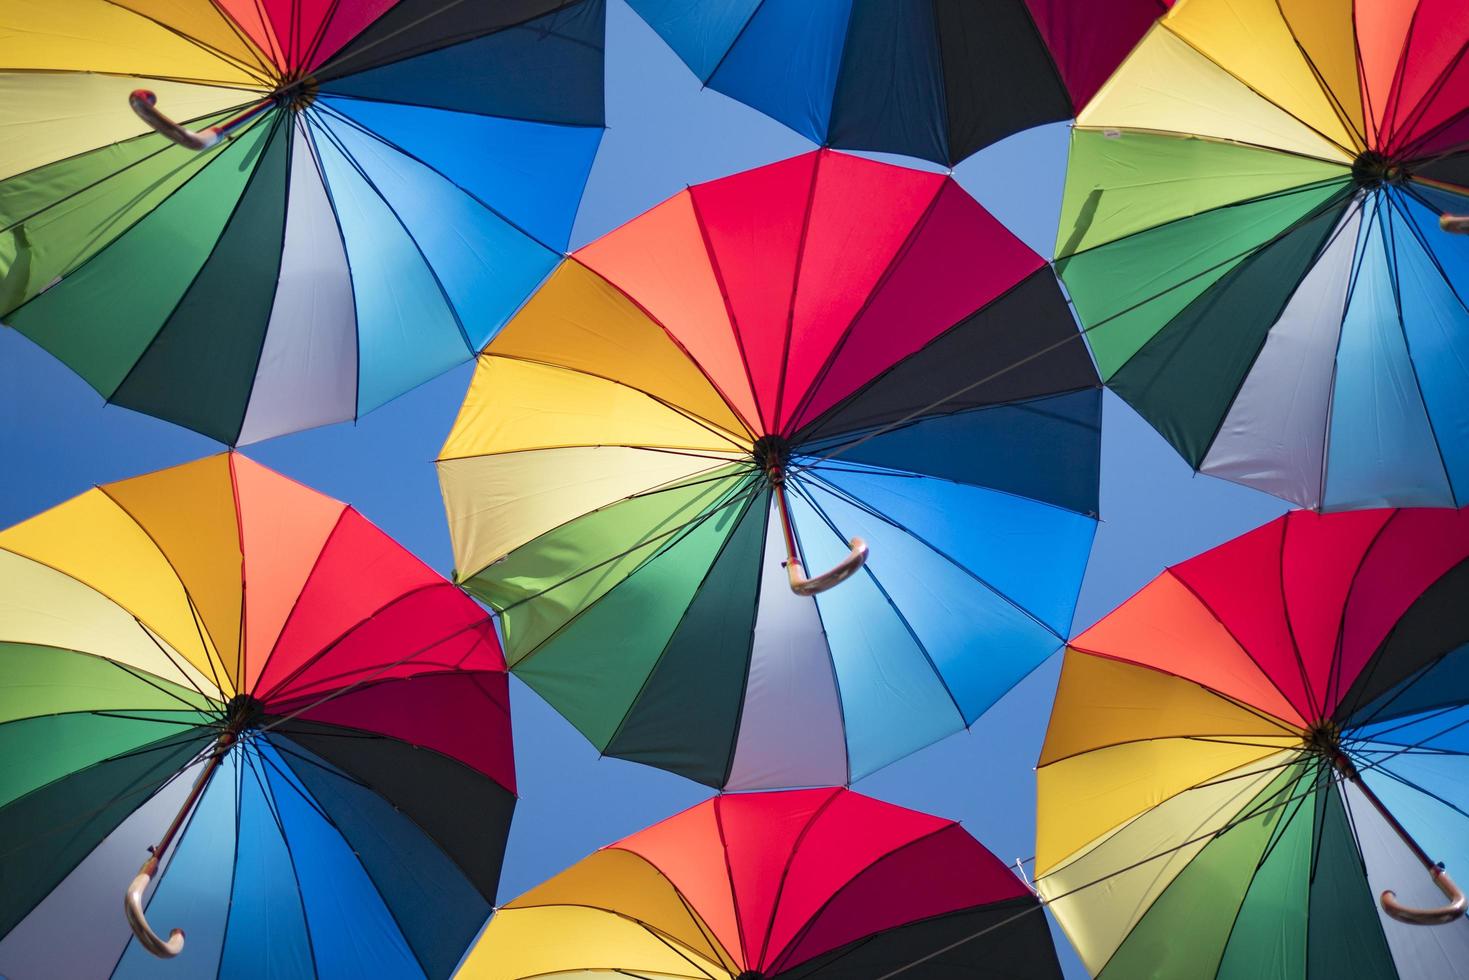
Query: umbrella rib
648,678
1434,90
262,76
185,162
327,109
1423,242
1346,150
330,71
861,505
780,887
449,305
1390,235
907,625
692,416
125,794
1399,777
1028,910
144,676
268,792
790,317
377,886
677,483
705,513
369,676
682,531
833,355
177,665
734,326
1341,625
1336,104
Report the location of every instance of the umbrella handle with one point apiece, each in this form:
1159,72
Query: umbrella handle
843,570
132,905
1457,224
1428,917
145,104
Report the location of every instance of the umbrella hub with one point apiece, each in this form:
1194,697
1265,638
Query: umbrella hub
1371,169
243,712
771,453
1324,739
751,975
295,93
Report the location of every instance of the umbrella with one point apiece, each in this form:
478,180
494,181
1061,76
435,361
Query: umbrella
1250,234
1251,748
360,194
806,883
308,726
787,366
935,79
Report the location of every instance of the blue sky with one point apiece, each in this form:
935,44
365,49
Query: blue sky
57,439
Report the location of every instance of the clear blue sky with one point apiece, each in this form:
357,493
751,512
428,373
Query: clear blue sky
57,439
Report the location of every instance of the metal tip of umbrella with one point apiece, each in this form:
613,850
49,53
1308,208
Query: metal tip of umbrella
1454,224
802,584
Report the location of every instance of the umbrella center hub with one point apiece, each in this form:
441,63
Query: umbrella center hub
771,453
1371,169
1324,739
751,975
243,712
295,93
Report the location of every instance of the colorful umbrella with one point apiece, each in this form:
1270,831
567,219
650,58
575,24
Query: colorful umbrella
1255,744
328,718
756,372
936,79
403,174
1250,234
809,883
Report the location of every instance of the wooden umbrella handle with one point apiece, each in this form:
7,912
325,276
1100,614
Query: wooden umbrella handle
1429,917
132,905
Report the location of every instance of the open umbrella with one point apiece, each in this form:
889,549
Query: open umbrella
787,366
935,79
361,194
1250,234
1251,748
307,727
807,883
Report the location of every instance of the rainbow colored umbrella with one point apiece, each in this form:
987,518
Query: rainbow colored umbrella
362,192
1249,750
935,79
784,367
1250,234
306,726
808,883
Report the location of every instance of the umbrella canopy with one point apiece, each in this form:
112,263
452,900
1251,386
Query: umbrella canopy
327,716
381,183
935,79
762,367
808,883
1247,751
1250,235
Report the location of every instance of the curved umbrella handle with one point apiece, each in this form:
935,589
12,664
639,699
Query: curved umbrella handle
1457,224
145,103
843,570
132,905
1428,917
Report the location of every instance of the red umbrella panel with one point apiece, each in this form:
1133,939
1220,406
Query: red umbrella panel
822,883
327,717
